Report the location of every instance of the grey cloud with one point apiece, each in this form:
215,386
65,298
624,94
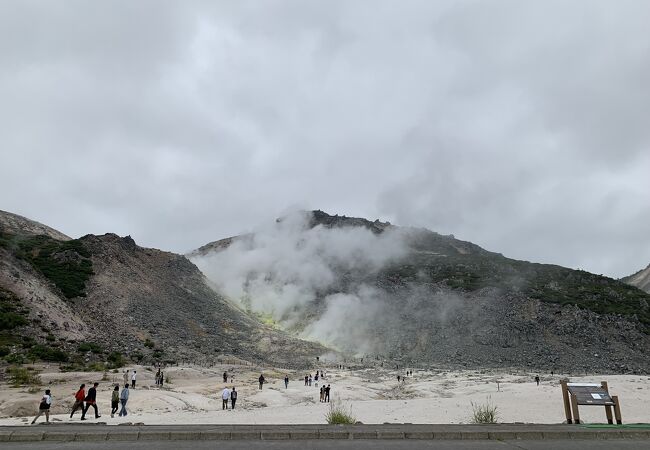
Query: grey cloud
518,125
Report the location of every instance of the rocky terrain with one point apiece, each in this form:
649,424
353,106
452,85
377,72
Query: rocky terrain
104,297
640,279
445,301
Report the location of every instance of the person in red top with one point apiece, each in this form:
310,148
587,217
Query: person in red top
91,400
79,399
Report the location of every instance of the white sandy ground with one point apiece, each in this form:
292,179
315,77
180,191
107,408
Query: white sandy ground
372,394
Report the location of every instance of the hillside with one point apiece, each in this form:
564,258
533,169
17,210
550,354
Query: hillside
640,279
75,300
403,293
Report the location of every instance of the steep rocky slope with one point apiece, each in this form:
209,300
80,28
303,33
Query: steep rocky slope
66,299
641,279
435,300
13,223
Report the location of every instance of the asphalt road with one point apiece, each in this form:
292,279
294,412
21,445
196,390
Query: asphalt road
373,444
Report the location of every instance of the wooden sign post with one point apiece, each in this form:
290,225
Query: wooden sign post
592,394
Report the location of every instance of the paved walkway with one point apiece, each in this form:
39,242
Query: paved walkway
498,432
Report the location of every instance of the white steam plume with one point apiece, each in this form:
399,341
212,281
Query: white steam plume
308,279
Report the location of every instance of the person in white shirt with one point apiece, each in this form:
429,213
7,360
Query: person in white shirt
44,407
133,380
225,396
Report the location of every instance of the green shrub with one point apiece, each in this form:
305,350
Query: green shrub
11,320
12,314
89,347
485,413
96,367
339,415
4,351
20,376
149,343
46,353
115,360
15,358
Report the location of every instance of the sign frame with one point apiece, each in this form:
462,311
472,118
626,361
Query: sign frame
589,394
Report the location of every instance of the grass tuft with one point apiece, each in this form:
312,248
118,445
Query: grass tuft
484,413
338,414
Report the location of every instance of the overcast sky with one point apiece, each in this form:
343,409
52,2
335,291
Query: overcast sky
523,126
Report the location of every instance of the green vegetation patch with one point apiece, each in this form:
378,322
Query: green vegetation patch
545,282
12,313
21,376
90,347
47,353
66,263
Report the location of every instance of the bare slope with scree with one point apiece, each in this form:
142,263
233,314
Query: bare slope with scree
640,279
104,297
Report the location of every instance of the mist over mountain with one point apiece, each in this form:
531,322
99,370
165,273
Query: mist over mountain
370,288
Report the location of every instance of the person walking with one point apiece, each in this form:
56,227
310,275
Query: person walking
133,380
327,393
79,400
261,379
286,381
537,379
233,397
225,377
310,379
158,377
126,376
322,393
306,380
124,397
115,400
162,379
316,379
91,400
44,407
225,396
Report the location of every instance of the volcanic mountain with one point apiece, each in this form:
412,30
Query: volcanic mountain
386,292
71,300
640,279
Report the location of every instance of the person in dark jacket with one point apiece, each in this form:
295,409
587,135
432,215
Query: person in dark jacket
115,400
261,379
79,400
233,397
91,400
286,381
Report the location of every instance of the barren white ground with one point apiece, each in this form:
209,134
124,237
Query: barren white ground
372,394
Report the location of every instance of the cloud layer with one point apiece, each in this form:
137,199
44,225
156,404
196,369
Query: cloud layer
521,126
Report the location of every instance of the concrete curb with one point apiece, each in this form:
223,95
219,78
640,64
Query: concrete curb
504,432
